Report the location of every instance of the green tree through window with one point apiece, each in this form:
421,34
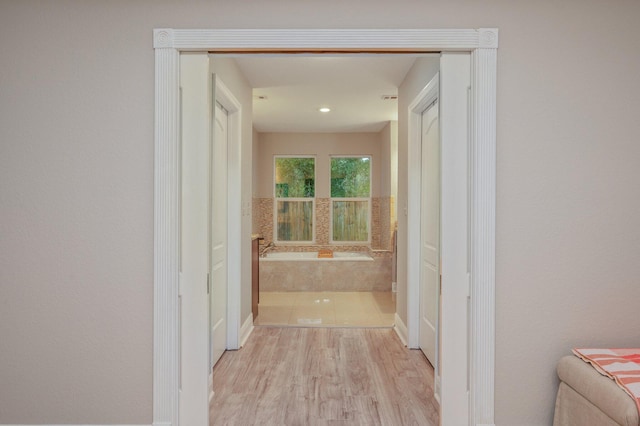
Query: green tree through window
295,177
350,177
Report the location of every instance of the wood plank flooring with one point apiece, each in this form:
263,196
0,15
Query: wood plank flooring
323,376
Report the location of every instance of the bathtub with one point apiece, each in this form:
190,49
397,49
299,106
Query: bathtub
313,256
304,271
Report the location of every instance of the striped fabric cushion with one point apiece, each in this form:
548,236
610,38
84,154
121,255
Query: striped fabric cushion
621,365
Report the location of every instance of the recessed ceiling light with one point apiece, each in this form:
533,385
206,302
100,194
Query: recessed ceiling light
324,109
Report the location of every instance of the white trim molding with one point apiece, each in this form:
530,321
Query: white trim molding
246,330
400,328
483,231
211,392
166,256
168,43
323,39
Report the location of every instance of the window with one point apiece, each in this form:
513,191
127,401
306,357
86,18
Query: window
350,199
294,198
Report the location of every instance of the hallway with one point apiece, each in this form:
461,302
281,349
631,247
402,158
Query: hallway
318,376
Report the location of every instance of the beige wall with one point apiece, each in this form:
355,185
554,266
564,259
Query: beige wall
388,182
255,155
385,155
393,180
76,189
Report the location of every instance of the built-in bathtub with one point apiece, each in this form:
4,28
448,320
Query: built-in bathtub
313,256
305,271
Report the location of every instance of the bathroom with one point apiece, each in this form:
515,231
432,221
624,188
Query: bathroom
289,95
326,253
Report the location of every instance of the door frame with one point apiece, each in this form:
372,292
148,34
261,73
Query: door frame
222,95
420,104
481,43
226,98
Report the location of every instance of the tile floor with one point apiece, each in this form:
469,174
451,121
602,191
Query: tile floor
326,309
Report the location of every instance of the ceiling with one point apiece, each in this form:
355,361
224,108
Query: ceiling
294,87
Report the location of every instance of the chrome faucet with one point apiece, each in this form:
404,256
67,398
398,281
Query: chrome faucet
263,252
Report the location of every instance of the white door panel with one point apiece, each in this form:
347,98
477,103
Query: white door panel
218,249
430,233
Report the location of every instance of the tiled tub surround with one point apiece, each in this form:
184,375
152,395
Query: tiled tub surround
372,273
327,275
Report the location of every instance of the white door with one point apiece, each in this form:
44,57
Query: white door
430,233
194,225
218,244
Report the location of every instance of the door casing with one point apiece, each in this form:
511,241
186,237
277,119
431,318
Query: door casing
482,45
425,100
194,198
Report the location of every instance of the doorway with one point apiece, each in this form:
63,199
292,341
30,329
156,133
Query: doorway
209,132
347,162
482,44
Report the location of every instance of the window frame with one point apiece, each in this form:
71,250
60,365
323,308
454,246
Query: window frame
307,199
368,199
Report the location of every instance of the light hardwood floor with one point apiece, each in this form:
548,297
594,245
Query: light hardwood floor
323,376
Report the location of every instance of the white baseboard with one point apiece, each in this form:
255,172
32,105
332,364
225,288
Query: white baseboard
155,424
246,329
401,330
210,387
